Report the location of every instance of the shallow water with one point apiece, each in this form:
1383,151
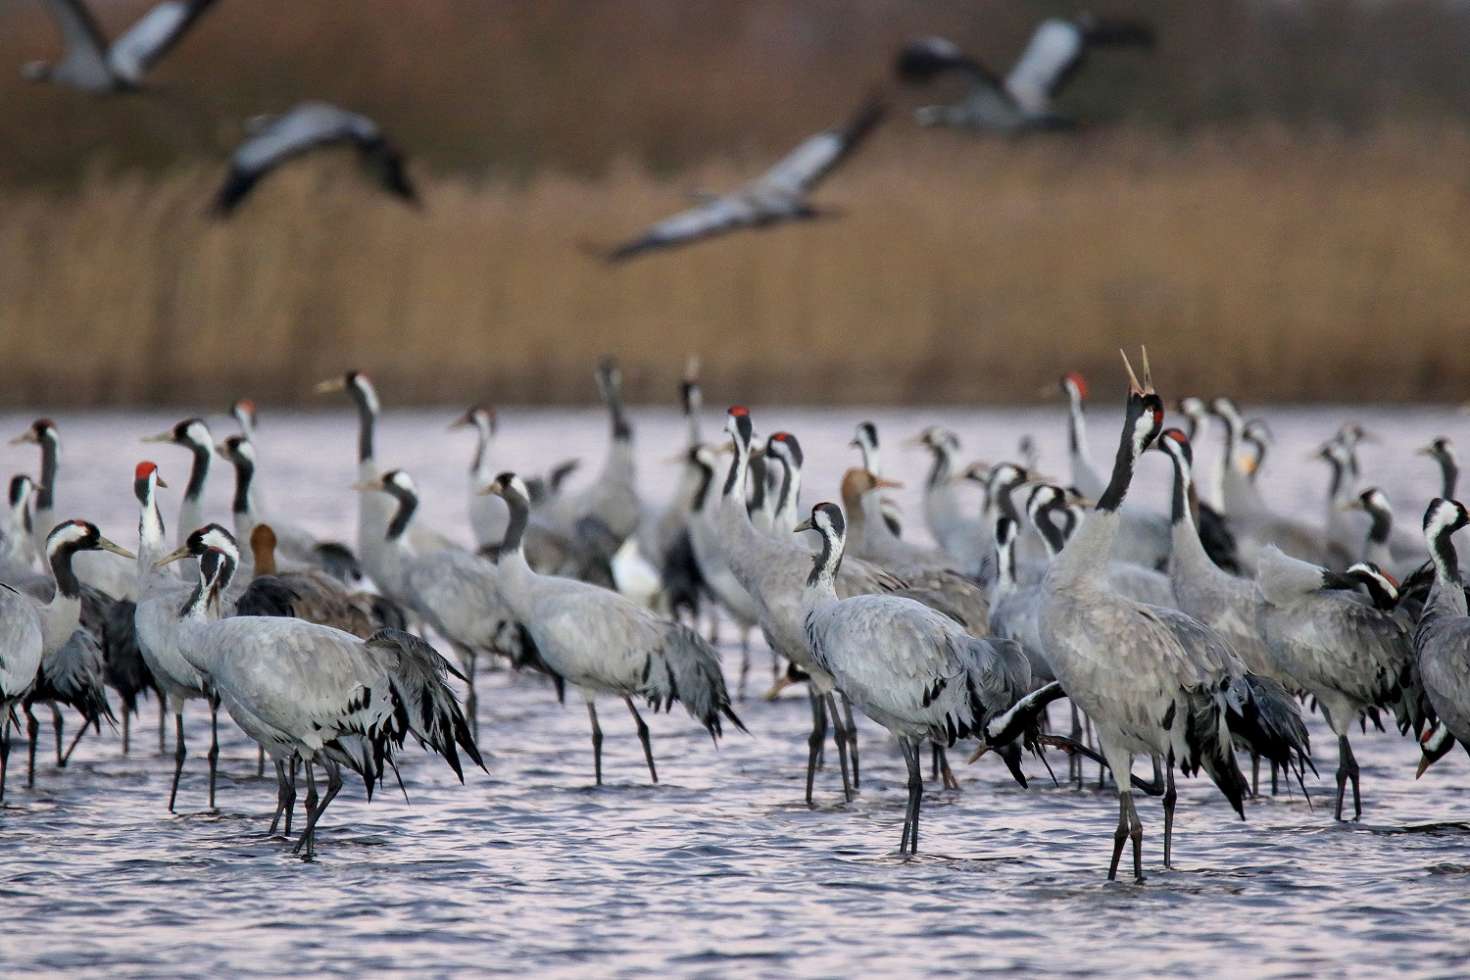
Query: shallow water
720,868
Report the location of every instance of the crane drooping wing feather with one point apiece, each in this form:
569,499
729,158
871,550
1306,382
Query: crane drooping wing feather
1056,51
928,57
817,156
712,217
303,128
152,36
85,47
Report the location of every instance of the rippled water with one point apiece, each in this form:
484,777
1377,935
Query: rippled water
720,868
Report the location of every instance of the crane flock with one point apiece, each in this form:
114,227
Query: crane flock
324,652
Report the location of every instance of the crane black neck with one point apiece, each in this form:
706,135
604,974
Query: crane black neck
1054,536
46,492
829,560
408,502
1449,472
1140,407
704,476
515,528
940,467
244,476
1446,560
198,471
757,499
367,418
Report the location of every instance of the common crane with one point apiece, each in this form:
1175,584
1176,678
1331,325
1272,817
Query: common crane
776,196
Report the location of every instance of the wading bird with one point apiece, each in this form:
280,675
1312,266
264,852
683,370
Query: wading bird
912,670
1154,681
602,643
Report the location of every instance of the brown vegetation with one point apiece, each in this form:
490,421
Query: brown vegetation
1275,265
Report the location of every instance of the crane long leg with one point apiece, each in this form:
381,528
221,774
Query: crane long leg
1347,769
334,786
66,757
180,751
839,737
162,722
4,751
852,740
1170,796
916,795
311,799
744,663
126,733
33,731
281,793
1255,781
291,792
1074,761
59,723
934,760
643,737
213,746
259,761
471,699
596,741
946,774
815,740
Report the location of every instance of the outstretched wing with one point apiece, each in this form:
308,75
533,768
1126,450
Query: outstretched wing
152,36
713,217
816,156
1056,52
930,57
85,45
303,128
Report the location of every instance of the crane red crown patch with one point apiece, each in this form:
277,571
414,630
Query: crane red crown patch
144,470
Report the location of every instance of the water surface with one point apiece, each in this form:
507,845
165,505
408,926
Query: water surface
720,868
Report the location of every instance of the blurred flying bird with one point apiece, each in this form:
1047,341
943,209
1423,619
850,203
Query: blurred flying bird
779,194
305,127
1023,99
89,64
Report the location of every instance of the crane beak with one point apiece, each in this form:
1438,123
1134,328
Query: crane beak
1424,451
1351,505
161,437
882,484
330,386
492,490
1425,761
805,525
913,441
23,438
115,548
172,556
158,478
781,684
975,756
364,486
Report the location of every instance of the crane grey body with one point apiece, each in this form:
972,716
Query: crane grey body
778,195
21,647
1442,639
1153,680
313,692
603,643
912,670
303,128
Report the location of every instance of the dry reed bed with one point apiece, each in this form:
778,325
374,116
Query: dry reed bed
1276,266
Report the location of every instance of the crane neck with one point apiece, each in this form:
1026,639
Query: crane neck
703,477
367,420
1053,536
1449,473
1446,562
734,489
756,502
484,436
826,564
198,472
1076,425
244,476
789,498
940,468
46,492
151,532
1005,555
408,503
515,529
